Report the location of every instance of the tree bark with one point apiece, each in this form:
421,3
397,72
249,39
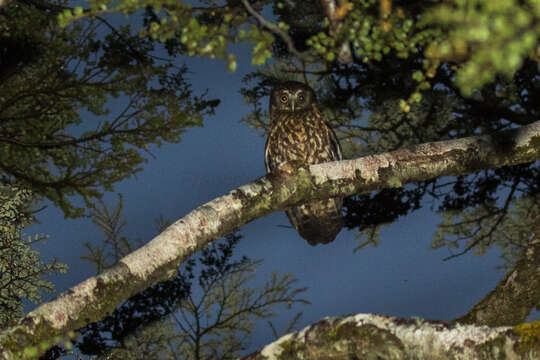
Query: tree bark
158,260
367,336
516,294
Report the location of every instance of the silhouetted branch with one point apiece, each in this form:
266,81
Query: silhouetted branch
501,214
276,30
517,293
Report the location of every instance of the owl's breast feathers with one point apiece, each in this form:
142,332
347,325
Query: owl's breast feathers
300,138
303,138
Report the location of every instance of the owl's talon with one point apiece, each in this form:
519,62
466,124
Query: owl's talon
286,168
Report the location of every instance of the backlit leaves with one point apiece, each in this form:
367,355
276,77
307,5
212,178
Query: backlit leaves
484,38
84,104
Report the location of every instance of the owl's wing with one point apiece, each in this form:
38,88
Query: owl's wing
267,156
335,146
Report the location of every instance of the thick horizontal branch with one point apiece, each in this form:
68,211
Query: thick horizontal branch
159,259
366,336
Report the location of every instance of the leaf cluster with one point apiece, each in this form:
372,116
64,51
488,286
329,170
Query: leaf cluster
22,272
476,35
81,105
488,37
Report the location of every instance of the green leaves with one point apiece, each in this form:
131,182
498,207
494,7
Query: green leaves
489,38
78,10
21,268
231,62
485,38
262,43
65,137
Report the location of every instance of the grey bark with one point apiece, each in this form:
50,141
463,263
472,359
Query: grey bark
371,337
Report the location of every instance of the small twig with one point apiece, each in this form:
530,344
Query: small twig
276,30
136,53
503,213
329,6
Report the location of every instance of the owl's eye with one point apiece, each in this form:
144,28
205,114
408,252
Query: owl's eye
301,97
284,98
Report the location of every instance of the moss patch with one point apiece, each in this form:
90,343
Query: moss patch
529,337
291,349
492,349
343,341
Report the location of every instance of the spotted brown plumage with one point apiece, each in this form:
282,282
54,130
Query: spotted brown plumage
299,136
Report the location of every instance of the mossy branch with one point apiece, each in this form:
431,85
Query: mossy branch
367,336
516,294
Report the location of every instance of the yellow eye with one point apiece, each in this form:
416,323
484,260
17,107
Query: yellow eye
284,98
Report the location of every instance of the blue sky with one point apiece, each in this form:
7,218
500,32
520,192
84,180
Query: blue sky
400,277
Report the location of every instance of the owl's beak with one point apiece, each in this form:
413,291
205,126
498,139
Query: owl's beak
293,103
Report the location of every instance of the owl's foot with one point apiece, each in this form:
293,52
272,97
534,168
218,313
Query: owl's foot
286,168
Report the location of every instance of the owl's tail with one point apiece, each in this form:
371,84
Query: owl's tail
318,222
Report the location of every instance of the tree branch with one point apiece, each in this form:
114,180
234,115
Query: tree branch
159,259
367,336
500,217
276,30
516,294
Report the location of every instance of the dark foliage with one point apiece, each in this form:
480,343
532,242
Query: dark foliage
156,302
381,207
59,133
138,311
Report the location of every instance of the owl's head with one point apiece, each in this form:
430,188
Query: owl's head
291,96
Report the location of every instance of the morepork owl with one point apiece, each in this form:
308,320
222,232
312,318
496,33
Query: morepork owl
299,136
